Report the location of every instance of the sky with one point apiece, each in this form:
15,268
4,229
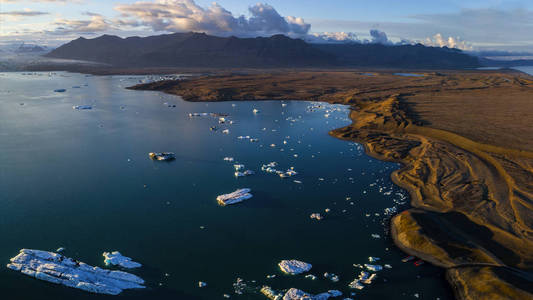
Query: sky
505,25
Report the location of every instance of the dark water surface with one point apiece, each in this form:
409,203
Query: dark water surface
76,179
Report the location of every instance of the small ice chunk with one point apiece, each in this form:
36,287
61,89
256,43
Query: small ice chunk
270,293
355,284
115,258
294,266
375,235
331,276
335,293
373,259
310,276
227,158
374,268
202,284
235,197
81,107
296,294
316,216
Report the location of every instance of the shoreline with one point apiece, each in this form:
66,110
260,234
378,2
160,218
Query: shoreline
471,201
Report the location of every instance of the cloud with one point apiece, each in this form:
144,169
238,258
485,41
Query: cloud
186,15
23,13
438,41
20,1
97,23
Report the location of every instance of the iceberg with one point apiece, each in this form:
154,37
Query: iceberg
81,107
316,216
162,155
373,268
296,294
115,258
60,90
58,269
235,197
294,266
355,284
270,293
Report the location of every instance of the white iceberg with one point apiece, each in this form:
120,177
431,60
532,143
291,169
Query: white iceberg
296,294
270,293
373,268
58,269
115,258
235,197
80,107
294,266
355,284
316,216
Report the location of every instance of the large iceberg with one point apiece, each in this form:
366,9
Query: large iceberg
58,269
235,197
294,266
115,258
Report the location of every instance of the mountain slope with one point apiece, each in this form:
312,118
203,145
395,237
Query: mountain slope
201,50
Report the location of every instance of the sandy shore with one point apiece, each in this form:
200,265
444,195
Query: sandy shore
466,144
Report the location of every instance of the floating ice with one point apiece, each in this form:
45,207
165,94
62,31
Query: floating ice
202,284
81,107
294,266
58,269
162,155
375,235
227,158
270,293
355,284
316,216
296,294
374,268
238,167
115,258
373,259
331,276
235,197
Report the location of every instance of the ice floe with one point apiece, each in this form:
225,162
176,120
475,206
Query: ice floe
115,258
374,268
316,216
162,155
294,266
58,269
234,197
82,107
296,294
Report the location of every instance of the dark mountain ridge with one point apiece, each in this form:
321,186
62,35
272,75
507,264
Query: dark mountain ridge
202,50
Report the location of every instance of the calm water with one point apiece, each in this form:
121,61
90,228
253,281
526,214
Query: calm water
76,179
525,69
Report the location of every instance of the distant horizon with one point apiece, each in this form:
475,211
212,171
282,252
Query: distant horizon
468,25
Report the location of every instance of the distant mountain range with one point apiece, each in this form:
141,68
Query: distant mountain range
202,50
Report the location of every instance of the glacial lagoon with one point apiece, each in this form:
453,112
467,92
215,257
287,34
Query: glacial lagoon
81,179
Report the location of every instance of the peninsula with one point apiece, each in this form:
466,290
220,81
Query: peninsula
464,139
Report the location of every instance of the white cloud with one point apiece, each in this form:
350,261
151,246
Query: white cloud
97,23
438,41
186,15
